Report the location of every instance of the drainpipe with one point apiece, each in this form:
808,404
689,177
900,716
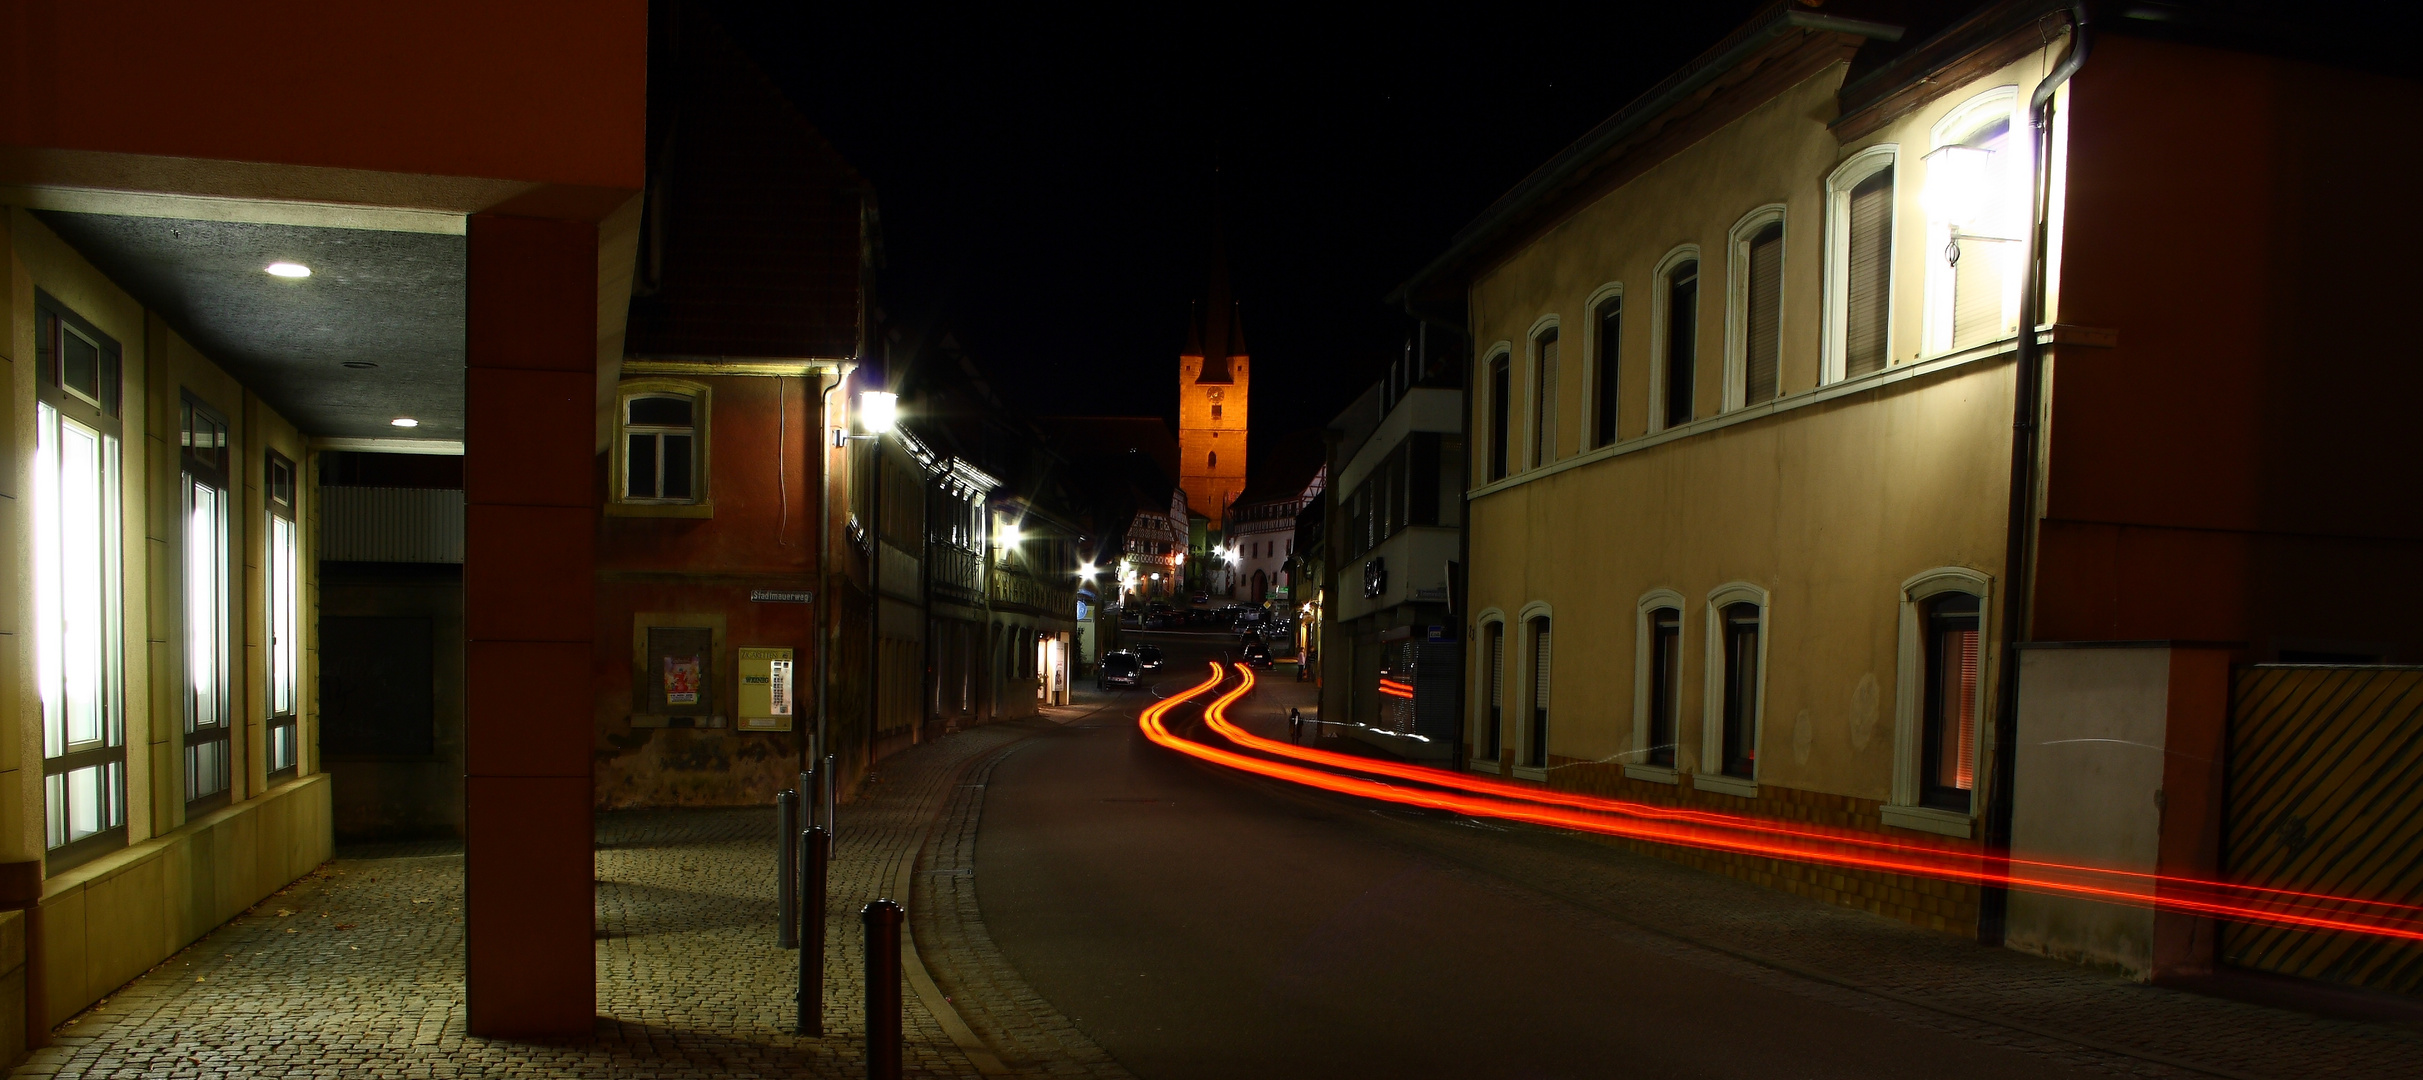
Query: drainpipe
1993,902
824,571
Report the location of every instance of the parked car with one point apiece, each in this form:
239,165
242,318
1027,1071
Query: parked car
1149,656
1118,669
1258,654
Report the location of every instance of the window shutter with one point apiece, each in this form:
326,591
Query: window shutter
1497,666
1762,328
1868,275
1543,397
1682,341
1611,325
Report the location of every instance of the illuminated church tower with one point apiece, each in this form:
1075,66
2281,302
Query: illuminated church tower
1213,376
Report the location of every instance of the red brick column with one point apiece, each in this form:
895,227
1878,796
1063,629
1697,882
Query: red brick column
527,595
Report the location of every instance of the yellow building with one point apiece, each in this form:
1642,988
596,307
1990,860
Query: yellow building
1768,484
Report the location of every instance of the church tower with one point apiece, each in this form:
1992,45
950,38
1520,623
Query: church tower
1213,378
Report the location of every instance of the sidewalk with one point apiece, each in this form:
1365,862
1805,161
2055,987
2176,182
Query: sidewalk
357,970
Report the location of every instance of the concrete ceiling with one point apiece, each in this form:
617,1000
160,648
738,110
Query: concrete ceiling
392,299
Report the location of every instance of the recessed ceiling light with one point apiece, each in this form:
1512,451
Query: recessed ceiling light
288,269
405,421
360,365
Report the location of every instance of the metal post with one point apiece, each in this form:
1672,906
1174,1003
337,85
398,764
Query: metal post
815,855
786,875
832,784
882,919
807,799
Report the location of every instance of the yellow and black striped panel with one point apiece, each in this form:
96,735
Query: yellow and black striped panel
2326,795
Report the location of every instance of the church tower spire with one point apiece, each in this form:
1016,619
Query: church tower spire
1214,379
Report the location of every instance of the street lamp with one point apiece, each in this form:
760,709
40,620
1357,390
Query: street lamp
878,412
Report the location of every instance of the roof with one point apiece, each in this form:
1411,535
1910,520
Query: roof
1537,198
1281,470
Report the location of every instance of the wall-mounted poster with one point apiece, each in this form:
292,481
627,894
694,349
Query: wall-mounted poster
682,677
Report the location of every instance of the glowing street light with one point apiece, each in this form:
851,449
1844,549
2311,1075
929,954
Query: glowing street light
878,410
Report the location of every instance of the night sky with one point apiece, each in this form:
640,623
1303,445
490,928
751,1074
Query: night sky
1048,181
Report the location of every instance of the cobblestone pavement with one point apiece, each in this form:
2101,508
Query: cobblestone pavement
2074,1016
356,970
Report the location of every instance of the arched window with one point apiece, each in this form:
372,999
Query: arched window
1754,332
660,453
1212,461
1677,366
1493,704
1734,702
1657,682
1606,375
1543,396
1940,701
1976,176
1500,388
1859,265
1535,737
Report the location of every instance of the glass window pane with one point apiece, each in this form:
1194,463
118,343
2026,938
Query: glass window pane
639,468
661,411
84,588
677,466
80,366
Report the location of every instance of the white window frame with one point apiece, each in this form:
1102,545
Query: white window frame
1659,333
283,578
701,502
1486,397
1957,124
1737,303
1909,697
1710,776
1518,748
1592,393
1480,699
1835,319
1540,394
1639,767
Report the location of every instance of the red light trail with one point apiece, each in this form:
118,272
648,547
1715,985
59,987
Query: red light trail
1475,796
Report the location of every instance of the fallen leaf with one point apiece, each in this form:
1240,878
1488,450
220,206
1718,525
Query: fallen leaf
344,926
282,913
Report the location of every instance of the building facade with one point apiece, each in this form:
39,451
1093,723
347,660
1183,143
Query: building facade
1821,386
1215,379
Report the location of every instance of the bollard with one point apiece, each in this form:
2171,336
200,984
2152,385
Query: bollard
882,919
815,858
1295,723
831,782
807,798
786,872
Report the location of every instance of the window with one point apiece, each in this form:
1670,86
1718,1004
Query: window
285,604
1939,701
1739,751
1500,384
1607,379
1734,702
661,456
1859,265
1543,397
1215,412
208,702
1494,725
1214,460
1754,345
1976,219
1947,762
1681,367
1665,683
78,666
1535,742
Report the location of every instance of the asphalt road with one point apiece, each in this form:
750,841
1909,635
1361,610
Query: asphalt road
1201,925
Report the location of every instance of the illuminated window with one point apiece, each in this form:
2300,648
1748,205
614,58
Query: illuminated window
78,665
1947,761
1859,265
285,607
1976,176
1543,397
209,704
1754,338
660,450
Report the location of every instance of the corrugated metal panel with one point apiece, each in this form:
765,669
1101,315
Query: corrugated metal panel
384,524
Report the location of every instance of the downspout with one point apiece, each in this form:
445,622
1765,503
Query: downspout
824,568
1993,902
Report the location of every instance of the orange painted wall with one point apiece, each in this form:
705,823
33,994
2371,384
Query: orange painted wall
2240,467
539,90
763,535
